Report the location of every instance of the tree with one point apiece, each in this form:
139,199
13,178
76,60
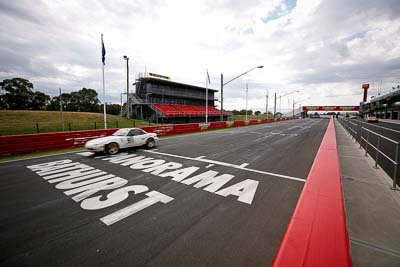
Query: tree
54,104
17,93
257,113
114,109
85,100
70,102
39,101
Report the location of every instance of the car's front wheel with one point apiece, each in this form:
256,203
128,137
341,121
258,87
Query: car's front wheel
112,148
150,143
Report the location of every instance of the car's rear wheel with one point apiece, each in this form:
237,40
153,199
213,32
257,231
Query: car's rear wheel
112,148
150,143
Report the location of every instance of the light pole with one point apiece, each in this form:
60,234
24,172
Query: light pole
293,108
280,98
62,112
127,86
223,84
266,104
247,94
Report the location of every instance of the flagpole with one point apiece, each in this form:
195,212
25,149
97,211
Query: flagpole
104,99
207,96
104,91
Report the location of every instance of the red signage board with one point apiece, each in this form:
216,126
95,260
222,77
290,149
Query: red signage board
331,108
365,86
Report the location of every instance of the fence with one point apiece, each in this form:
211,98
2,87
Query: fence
48,127
25,143
382,149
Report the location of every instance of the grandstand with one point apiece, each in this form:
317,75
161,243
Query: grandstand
158,99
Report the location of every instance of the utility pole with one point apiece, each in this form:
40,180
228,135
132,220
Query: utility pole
275,106
223,84
293,108
247,93
62,112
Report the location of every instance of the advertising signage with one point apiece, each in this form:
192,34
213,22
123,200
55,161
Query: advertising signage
331,108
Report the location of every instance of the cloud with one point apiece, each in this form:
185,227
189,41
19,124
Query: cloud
319,46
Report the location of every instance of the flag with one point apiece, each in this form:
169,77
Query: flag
103,51
208,77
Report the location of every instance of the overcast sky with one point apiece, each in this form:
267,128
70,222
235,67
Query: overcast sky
324,48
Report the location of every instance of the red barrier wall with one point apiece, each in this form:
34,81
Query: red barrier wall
217,125
238,123
317,233
25,143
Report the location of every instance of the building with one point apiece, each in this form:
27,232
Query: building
158,99
385,106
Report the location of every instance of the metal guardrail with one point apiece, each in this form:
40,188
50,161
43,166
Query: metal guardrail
356,131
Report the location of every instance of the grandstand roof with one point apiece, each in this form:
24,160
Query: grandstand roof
167,82
393,94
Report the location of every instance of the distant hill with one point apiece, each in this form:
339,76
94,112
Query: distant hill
24,121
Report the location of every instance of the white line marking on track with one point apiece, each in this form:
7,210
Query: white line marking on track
228,165
38,157
86,154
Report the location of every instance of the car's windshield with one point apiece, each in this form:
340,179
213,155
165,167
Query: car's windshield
121,132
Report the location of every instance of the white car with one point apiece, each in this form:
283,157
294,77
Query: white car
123,138
371,118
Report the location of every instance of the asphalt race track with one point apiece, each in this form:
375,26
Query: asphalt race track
220,198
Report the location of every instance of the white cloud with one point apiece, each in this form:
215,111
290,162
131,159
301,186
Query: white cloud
324,48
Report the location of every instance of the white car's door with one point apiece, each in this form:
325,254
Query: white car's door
139,137
128,140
